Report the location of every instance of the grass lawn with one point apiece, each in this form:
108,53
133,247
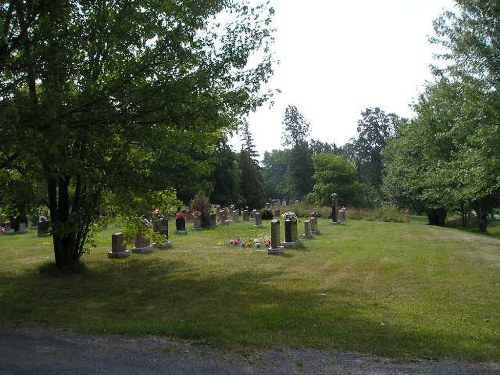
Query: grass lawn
391,289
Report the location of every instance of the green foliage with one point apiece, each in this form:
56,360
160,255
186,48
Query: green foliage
447,158
120,98
226,176
252,188
275,172
334,173
202,204
300,172
385,214
267,215
295,127
375,129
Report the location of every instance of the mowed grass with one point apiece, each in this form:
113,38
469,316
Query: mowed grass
390,289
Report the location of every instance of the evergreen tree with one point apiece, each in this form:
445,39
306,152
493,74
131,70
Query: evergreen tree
300,166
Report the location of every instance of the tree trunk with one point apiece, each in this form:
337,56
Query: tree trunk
463,213
66,253
437,216
483,207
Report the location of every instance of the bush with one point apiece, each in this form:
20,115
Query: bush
386,214
267,215
202,204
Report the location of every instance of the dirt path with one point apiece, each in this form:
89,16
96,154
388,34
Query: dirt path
44,352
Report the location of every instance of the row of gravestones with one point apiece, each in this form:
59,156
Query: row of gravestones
291,236
8,229
143,245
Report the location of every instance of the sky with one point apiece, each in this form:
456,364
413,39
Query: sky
339,57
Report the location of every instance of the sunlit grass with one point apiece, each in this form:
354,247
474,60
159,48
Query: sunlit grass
392,289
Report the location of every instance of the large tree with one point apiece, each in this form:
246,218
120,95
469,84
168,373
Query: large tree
375,129
275,173
252,188
114,97
449,155
300,167
335,174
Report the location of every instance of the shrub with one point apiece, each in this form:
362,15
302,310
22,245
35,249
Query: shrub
267,215
202,204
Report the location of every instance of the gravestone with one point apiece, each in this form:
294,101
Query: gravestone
180,224
307,229
142,245
291,240
314,225
277,212
275,238
43,227
118,247
7,226
342,214
197,223
223,217
335,209
23,228
258,219
163,230
213,219
246,215
235,216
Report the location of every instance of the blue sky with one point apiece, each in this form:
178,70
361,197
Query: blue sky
340,57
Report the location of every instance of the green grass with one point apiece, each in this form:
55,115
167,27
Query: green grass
391,289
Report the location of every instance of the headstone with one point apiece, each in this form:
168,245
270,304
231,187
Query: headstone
213,219
307,229
295,235
197,223
141,241
313,219
118,247
246,215
277,212
275,238
223,217
23,228
43,227
258,219
163,226
335,209
342,214
7,226
142,245
235,216
288,231
291,237
180,224
163,229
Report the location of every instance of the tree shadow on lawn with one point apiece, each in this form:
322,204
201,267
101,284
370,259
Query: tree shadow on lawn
248,308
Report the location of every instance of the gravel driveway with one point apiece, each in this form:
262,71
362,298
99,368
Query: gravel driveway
43,352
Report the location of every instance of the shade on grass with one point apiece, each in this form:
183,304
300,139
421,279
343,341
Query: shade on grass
400,290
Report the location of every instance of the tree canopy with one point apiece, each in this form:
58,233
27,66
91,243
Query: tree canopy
122,97
448,157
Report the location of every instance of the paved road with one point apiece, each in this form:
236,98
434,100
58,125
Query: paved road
44,352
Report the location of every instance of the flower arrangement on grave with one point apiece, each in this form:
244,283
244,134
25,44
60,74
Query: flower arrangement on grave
254,242
290,216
